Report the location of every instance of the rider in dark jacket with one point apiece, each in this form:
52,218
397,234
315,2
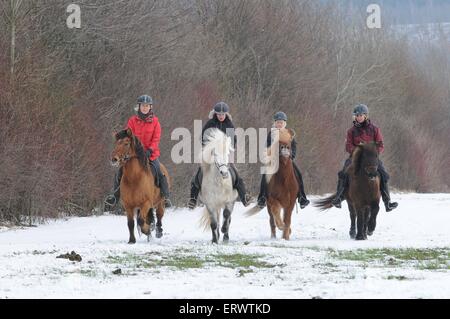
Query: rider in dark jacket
219,118
363,131
280,120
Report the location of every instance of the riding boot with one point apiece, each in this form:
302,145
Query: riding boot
342,181
386,196
113,199
195,189
303,201
165,190
262,197
240,187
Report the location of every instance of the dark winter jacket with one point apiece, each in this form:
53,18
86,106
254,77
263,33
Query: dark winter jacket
223,126
366,133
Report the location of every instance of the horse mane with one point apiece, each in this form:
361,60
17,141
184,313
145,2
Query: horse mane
357,155
136,145
215,139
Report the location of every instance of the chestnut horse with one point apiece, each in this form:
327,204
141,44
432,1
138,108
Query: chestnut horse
138,193
282,188
363,193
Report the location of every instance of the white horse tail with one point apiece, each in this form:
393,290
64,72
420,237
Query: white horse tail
253,211
205,220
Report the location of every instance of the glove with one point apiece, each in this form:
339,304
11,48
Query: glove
148,153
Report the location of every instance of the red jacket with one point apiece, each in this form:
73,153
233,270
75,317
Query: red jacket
366,133
148,132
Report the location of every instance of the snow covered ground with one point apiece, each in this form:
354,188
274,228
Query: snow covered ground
408,257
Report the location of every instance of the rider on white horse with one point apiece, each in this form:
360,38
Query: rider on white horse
220,118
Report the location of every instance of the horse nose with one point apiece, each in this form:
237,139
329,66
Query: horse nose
114,161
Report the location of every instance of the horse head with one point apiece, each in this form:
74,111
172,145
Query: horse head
217,150
365,157
123,148
286,136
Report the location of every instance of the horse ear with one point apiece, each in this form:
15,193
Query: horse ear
129,132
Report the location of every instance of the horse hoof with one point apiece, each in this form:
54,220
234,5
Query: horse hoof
159,234
226,239
131,242
370,233
352,236
359,238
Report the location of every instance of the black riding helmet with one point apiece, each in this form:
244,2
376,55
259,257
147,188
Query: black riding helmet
221,107
280,116
361,109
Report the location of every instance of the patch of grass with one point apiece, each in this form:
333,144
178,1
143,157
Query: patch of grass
182,262
426,258
187,261
240,261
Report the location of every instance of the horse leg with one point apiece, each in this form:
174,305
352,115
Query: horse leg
373,218
151,219
159,216
130,218
275,210
366,220
214,226
352,232
287,222
226,224
272,225
360,224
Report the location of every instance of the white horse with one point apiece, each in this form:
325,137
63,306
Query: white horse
217,191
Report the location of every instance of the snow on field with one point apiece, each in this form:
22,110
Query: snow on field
407,257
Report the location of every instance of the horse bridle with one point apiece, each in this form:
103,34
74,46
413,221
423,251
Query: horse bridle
123,160
218,165
285,149
371,175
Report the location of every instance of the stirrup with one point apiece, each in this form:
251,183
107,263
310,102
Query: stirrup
303,202
109,203
336,202
390,206
192,203
167,203
262,202
247,200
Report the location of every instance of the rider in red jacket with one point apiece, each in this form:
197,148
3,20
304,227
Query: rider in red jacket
363,131
145,126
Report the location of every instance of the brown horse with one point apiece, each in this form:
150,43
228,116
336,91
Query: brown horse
363,193
138,192
282,188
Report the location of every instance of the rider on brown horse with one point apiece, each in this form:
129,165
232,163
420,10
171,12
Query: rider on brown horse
220,118
145,126
280,120
363,131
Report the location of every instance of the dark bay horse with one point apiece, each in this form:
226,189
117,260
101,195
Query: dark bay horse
282,188
138,192
363,193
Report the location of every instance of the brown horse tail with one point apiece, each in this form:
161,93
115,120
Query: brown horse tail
325,203
253,211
